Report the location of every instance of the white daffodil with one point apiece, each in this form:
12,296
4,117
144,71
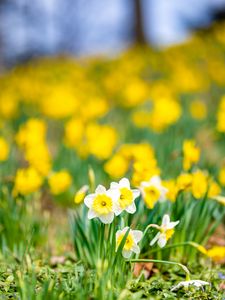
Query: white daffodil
153,191
126,197
189,283
166,231
101,204
134,236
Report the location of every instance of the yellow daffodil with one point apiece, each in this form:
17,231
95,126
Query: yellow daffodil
153,191
27,181
191,154
4,149
59,182
216,253
172,189
198,109
222,176
80,195
184,181
199,184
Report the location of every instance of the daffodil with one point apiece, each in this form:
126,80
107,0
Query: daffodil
101,204
59,182
131,243
153,191
4,149
166,231
190,283
126,196
27,181
79,196
191,154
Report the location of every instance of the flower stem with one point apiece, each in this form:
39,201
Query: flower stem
183,267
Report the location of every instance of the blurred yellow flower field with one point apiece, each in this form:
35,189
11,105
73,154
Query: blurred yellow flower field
124,144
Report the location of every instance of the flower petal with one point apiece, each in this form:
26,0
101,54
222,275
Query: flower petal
100,189
155,239
155,180
117,210
136,193
162,241
171,225
114,194
114,185
165,220
88,200
107,219
131,208
126,253
124,182
137,234
91,214
136,249
124,230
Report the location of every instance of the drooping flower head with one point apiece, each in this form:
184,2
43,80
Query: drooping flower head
190,283
166,231
101,204
131,243
126,197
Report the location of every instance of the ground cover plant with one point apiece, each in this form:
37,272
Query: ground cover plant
112,175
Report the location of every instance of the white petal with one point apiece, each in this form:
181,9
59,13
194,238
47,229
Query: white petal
88,200
155,180
124,230
91,214
136,249
124,182
163,192
118,233
100,189
126,253
199,282
114,185
114,194
155,239
137,234
131,208
144,184
162,241
136,193
171,225
107,219
165,220
117,210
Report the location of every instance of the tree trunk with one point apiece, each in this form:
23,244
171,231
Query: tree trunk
139,36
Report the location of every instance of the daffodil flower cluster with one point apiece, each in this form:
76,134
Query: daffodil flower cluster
106,204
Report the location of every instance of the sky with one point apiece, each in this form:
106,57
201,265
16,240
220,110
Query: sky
91,27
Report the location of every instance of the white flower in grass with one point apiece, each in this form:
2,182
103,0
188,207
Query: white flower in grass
101,204
166,231
134,236
153,191
190,283
126,197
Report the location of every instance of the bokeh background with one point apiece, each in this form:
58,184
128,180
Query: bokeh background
45,27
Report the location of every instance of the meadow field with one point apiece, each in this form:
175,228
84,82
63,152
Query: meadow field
112,174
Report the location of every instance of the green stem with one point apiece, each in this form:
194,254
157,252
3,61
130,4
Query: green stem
192,244
183,267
